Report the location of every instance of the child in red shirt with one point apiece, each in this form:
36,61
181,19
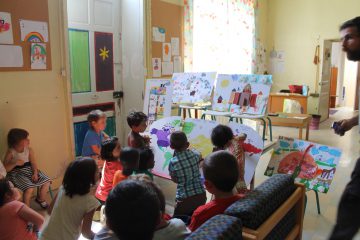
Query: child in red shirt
129,158
221,174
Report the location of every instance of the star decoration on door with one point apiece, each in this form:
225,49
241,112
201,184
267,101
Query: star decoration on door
104,53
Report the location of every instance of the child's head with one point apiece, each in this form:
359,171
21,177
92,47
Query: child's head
137,121
97,120
7,192
146,159
18,137
221,172
132,210
110,149
80,176
179,141
221,135
129,158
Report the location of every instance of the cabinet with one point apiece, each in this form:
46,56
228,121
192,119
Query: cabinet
276,101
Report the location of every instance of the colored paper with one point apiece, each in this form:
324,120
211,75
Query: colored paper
160,132
177,64
253,147
158,34
309,163
167,68
157,102
79,61
6,33
11,56
175,49
156,67
242,93
193,88
104,61
38,56
34,31
166,52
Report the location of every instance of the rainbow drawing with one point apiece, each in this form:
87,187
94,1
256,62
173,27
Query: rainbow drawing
34,37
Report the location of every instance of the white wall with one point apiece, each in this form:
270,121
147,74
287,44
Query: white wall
338,60
350,74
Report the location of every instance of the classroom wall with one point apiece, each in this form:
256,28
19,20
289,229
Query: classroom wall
294,27
350,75
38,102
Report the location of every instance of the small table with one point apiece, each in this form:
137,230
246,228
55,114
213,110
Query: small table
300,121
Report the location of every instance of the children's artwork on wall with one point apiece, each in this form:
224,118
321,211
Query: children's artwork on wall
309,163
156,67
242,93
160,132
253,147
166,52
157,102
167,68
11,56
193,88
175,46
38,56
34,31
104,61
6,33
158,34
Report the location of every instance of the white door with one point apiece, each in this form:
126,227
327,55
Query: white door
94,28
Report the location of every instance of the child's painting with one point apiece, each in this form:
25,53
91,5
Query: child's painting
38,56
253,147
6,33
193,88
242,93
157,102
34,31
160,132
309,163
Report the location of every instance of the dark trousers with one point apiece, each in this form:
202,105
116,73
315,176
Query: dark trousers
348,218
188,205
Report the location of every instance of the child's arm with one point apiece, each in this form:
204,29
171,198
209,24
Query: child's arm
30,215
172,172
35,176
86,225
96,149
105,135
8,165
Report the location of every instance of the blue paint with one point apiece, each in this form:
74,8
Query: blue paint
284,144
314,151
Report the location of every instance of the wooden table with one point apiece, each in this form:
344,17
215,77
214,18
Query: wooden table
300,121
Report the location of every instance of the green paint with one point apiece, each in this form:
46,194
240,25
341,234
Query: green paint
79,61
167,157
325,164
188,127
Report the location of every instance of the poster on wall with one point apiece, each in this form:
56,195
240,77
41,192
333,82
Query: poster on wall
158,34
193,88
156,67
38,56
167,68
175,46
11,56
6,33
309,163
34,31
242,93
166,52
157,102
177,64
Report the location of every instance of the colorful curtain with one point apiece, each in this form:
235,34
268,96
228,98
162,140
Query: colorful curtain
220,35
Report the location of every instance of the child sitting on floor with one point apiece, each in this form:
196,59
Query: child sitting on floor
72,209
221,175
22,167
15,215
137,121
129,159
146,162
222,138
185,171
110,152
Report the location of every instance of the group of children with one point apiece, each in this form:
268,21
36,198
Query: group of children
120,181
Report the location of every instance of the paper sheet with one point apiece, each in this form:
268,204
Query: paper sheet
158,34
11,56
166,52
6,33
38,56
167,68
34,31
177,64
156,67
175,46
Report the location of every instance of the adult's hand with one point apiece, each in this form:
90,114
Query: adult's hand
345,125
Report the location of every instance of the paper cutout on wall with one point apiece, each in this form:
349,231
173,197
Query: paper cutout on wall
166,52
158,34
253,147
156,67
167,68
177,64
34,31
104,61
309,163
157,102
11,56
38,56
193,88
242,93
160,132
6,33
175,46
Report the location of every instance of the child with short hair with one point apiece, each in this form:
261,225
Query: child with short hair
137,121
146,162
222,138
110,152
129,158
185,171
221,175
15,215
22,167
